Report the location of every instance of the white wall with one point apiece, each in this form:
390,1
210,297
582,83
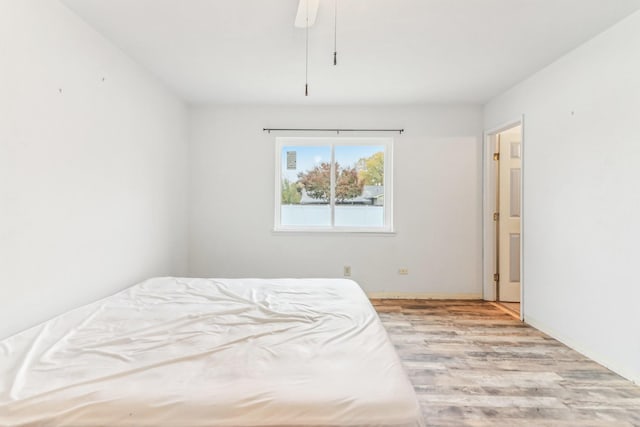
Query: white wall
582,197
92,172
437,200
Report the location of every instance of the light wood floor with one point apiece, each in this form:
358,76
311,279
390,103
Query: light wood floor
513,306
475,365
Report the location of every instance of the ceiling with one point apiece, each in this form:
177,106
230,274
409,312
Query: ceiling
389,51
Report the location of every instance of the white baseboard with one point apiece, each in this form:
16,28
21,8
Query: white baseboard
419,295
593,355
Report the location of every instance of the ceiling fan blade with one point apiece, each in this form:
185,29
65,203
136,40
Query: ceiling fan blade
301,16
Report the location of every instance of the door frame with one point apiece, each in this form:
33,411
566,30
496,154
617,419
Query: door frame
489,198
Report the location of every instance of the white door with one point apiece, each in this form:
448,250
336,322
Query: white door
509,215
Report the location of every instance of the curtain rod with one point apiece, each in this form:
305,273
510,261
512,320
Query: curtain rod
330,130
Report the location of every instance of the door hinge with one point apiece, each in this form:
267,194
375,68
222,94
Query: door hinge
496,156
496,216
496,277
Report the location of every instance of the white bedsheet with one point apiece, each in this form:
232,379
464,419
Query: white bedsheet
210,352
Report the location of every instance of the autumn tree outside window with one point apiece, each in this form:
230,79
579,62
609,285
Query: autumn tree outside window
334,184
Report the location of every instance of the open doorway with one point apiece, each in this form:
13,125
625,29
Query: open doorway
503,218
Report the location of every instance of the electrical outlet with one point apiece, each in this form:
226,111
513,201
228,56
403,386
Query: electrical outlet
403,271
347,270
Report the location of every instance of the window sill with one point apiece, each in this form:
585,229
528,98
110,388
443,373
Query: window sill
322,230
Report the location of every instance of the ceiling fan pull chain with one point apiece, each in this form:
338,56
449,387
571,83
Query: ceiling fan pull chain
335,32
306,65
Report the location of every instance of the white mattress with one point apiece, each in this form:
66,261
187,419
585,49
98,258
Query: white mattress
210,352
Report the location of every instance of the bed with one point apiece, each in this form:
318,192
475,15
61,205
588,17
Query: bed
210,352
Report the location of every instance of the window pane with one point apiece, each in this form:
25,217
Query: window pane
359,186
305,186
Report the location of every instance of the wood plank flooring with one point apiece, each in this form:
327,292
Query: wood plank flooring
513,306
474,365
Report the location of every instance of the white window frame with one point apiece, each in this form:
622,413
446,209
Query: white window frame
332,142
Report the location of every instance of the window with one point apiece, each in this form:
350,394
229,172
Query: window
334,184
